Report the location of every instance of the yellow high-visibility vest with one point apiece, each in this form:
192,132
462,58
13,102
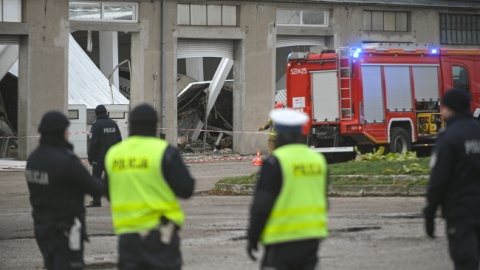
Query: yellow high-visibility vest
300,210
139,194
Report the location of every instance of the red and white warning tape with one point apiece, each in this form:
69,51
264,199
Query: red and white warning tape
167,129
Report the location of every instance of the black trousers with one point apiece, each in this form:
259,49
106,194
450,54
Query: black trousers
97,170
298,255
148,253
57,254
464,243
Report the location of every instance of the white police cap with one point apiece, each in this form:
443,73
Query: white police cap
288,119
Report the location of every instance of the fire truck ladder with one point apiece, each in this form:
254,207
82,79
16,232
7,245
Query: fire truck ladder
344,67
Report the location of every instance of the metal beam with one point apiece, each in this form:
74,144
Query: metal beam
15,28
217,82
8,56
105,26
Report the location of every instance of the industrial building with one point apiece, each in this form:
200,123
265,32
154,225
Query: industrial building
247,42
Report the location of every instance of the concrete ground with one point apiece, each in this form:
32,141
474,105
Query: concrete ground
365,232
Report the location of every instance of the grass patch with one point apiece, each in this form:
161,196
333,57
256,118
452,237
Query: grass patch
250,179
378,181
381,167
385,169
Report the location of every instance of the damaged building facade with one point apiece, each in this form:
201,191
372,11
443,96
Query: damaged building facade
206,65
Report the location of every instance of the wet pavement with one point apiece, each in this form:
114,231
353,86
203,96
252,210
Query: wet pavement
365,232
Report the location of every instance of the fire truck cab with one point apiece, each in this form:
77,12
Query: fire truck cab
380,94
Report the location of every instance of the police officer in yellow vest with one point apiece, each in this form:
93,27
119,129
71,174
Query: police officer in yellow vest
144,178
289,210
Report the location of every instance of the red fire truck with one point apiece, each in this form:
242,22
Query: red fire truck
380,94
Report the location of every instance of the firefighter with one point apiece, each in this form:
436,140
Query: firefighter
57,182
103,135
272,136
455,181
144,178
289,210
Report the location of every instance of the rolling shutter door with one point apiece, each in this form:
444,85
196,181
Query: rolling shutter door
372,94
288,41
9,39
189,48
425,79
325,96
398,88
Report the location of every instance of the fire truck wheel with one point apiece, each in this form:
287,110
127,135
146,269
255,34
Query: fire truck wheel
399,140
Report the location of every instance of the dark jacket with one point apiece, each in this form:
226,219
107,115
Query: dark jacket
104,134
455,163
57,182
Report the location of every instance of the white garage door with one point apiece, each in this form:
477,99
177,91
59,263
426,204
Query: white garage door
288,41
189,48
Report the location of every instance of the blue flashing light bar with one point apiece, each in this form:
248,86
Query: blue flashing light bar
356,53
434,51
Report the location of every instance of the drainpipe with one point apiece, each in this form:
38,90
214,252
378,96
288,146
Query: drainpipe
162,66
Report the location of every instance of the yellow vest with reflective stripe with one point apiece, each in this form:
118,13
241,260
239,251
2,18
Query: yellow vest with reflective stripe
139,194
300,210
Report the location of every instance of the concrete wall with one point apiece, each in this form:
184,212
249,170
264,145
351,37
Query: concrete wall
254,76
43,56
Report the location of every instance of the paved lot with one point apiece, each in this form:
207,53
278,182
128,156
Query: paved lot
366,232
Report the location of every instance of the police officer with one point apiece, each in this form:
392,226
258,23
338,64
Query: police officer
289,210
57,182
103,135
272,136
144,177
455,181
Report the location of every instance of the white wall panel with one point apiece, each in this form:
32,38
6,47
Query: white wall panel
229,15
183,14
198,15
214,14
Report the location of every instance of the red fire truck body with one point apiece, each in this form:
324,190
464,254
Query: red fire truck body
379,94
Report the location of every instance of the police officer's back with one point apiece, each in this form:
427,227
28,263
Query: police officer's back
103,135
145,175
455,181
289,210
57,182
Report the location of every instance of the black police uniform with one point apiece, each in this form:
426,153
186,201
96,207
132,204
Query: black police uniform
57,182
455,186
103,135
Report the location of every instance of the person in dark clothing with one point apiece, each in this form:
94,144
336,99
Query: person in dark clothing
144,177
455,181
57,182
103,135
289,210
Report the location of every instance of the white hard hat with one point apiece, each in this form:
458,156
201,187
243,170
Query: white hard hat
288,119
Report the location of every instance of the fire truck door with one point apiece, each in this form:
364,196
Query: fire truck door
476,90
325,96
463,74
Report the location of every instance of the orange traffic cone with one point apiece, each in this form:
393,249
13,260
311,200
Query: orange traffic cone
257,161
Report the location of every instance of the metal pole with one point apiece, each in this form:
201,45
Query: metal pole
206,119
162,66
